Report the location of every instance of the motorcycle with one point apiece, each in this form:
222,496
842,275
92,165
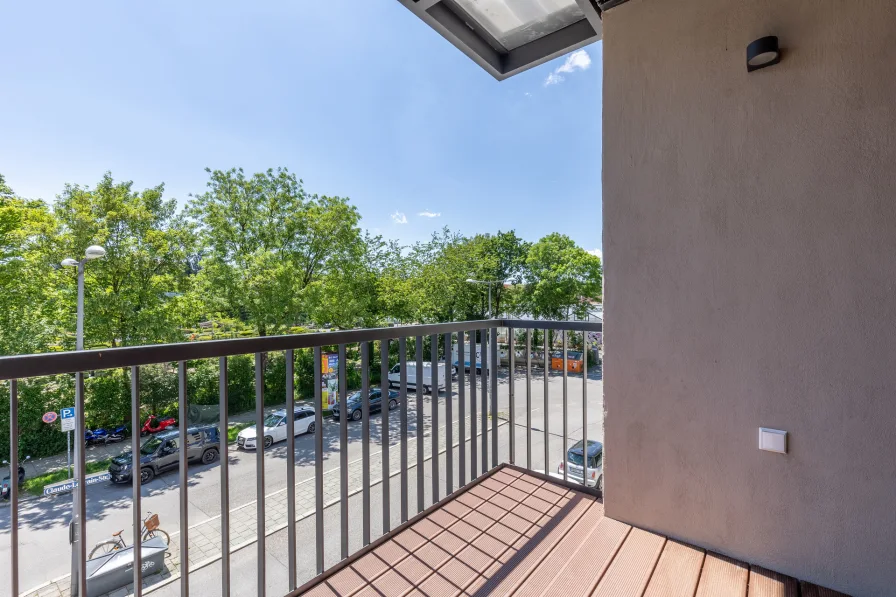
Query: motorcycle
155,424
4,485
102,436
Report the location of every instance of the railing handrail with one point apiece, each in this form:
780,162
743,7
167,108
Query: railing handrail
38,365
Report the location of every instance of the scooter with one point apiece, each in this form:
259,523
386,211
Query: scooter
155,424
4,485
102,436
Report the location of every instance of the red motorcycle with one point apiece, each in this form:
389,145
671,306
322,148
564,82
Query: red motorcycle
154,424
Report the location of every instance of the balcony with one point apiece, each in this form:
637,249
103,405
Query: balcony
463,497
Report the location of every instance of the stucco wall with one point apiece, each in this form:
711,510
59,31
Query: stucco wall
750,245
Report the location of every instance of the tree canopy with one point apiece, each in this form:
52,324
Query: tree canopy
257,251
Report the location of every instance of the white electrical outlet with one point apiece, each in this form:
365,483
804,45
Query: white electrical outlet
773,440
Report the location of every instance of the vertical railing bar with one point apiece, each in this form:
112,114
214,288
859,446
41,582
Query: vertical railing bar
385,400
80,491
403,399
434,405
223,413
511,364
566,415
418,390
14,486
289,356
487,374
547,427
529,398
449,420
365,442
473,398
184,478
318,461
585,407
493,344
259,472
462,412
136,481
343,451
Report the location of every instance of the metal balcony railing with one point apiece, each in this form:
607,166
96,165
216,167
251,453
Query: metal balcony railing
482,457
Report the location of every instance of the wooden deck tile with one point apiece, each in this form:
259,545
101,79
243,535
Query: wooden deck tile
346,581
582,572
677,572
517,534
765,583
550,566
533,553
810,590
722,577
630,571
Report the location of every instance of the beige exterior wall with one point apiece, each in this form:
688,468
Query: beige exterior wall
750,244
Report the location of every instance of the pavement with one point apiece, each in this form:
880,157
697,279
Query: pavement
203,527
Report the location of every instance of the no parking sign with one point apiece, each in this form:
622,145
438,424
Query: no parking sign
49,417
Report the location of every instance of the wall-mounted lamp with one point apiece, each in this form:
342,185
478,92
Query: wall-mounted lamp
763,52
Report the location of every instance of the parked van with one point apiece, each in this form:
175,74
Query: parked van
467,361
395,376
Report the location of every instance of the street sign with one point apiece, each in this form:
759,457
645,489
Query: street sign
49,417
66,486
68,419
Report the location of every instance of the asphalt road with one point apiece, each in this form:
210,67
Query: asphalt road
44,552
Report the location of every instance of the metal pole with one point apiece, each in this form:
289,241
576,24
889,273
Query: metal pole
75,533
79,338
490,314
68,435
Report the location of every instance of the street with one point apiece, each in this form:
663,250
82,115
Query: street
44,552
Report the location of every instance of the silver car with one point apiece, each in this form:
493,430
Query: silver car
575,460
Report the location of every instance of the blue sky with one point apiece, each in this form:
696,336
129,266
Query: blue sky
365,102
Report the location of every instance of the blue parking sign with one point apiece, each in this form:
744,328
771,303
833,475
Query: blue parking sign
68,413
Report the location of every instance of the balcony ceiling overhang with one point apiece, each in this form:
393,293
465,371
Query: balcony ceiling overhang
507,37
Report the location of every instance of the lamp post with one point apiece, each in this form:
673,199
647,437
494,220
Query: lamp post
92,252
489,283
77,537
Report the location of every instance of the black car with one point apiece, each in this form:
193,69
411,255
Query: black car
353,404
160,453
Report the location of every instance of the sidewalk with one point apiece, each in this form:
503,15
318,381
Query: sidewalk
205,537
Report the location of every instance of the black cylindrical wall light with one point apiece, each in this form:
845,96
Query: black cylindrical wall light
763,52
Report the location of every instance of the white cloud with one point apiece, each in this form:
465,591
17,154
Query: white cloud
578,60
553,79
399,218
430,214
597,252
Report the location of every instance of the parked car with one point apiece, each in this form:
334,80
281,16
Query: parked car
395,376
275,428
575,460
353,404
160,453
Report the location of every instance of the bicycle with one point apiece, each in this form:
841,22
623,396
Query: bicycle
150,529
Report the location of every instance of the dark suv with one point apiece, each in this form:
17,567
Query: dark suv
353,404
160,453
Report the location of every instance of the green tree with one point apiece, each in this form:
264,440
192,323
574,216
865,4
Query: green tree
561,278
135,295
266,243
29,305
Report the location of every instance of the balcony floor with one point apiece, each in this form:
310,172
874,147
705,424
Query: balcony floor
513,533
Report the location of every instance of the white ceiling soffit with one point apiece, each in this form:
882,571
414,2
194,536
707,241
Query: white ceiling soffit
506,37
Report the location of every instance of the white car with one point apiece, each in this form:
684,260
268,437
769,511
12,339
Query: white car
275,428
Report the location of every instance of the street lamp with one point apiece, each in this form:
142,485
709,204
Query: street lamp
92,252
489,283
75,534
